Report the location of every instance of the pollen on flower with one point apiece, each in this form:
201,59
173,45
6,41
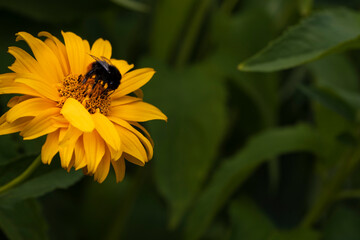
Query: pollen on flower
94,99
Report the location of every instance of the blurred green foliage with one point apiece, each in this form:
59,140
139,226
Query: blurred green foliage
262,140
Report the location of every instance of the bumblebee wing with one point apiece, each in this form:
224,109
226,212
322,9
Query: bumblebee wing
104,65
102,62
106,60
96,58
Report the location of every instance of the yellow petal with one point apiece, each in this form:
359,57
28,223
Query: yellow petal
77,115
70,136
133,160
67,143
103,168
87,58
19,89
131,144
137,112
59,50
107,131
16,126
122,66
40,125
18,67
16,100
8,86
71,164
75,51
40,85
25,63
145,132
66,153
94,150
139,93
50,147
7,78
124,100
62,134
60,121
119,168
146,142
44,55
101,48
115,154
80,158
132,81
29,108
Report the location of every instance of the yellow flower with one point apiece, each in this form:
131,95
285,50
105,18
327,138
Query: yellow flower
89,125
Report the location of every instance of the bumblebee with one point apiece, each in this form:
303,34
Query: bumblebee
103,71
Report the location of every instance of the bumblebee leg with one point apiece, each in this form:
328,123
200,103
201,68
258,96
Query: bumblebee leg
97,78
88,75
109,92
79,78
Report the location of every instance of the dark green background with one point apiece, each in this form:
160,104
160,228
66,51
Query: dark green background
244,155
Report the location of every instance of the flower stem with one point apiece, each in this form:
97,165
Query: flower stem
329,192
355,193
193,30
22,176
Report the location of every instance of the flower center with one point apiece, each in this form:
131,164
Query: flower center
93,97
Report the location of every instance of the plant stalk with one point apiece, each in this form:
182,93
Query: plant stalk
22,176
346,194
329,192
193,30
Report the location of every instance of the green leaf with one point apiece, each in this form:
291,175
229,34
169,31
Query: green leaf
343,223
40,185
336,72
352,98
248,221
331,100
23,221
234,171
312,38
186,146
